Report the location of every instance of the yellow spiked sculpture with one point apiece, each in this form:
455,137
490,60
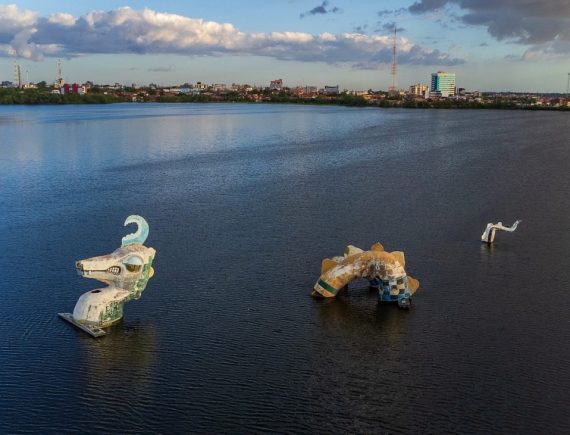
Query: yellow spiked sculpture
384,270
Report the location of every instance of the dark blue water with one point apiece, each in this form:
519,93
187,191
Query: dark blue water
243,202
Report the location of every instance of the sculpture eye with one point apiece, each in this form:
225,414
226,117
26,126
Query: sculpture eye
133,263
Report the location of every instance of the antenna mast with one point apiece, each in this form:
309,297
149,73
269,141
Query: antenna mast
59,81
393,69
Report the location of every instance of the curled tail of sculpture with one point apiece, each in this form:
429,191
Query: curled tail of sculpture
141,234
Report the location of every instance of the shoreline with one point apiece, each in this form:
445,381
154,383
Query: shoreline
43,97
303,103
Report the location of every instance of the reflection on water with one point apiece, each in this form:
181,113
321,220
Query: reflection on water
128,346
356,317
244,201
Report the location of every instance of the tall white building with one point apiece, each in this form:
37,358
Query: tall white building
442,84
420,89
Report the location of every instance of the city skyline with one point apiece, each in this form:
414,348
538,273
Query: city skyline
499,45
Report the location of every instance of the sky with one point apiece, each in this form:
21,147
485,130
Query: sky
491,45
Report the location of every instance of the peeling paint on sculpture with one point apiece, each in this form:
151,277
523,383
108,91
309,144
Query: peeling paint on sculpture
488,235
384,270
126,271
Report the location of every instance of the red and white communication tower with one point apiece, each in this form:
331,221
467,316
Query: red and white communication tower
393,88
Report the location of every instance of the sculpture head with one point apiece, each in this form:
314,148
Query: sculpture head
128,267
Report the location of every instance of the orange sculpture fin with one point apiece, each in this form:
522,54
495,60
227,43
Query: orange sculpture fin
413,284
377,247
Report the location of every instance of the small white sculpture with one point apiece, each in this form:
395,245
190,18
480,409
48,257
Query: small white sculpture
488,235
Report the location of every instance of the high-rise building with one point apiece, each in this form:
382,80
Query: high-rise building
420,90
442,84
18,83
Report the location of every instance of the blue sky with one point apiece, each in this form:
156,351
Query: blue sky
490,44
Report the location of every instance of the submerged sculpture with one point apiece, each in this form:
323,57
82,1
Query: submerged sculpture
488,235
126,271
384,270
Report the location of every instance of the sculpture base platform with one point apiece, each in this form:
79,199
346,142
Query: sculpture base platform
93,331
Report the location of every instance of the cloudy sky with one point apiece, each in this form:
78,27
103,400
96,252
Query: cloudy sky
490,44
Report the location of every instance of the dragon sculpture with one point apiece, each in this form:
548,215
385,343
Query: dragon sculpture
126,272
384,270
488,235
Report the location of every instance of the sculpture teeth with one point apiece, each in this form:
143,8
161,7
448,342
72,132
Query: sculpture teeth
115,270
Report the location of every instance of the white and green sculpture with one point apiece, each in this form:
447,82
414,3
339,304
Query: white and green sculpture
126,272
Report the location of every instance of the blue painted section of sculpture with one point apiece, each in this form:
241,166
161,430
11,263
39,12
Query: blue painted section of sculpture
385,288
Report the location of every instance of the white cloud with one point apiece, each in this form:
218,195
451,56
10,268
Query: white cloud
12,19
62,18
328,37
126,30
557,49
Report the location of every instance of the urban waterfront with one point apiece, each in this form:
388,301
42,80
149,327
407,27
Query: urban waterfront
243,203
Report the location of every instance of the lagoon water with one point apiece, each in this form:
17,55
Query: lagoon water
243,202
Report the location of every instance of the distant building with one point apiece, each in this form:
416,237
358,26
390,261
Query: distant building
298,91
442,84
419,90
311,91
73,89
276,85
331,90
358,93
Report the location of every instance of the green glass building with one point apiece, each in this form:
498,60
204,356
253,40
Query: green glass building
442,84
